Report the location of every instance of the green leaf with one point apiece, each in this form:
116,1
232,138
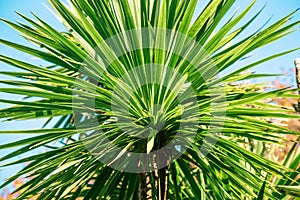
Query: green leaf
150,144
261,195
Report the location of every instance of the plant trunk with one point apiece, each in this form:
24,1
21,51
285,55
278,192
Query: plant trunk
163,183
143,187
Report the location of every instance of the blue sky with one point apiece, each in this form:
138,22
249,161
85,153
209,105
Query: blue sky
275,9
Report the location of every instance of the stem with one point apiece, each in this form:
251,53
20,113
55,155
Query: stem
297,66
143,186
163,183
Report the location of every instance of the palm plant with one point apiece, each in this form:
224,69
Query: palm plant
117,102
